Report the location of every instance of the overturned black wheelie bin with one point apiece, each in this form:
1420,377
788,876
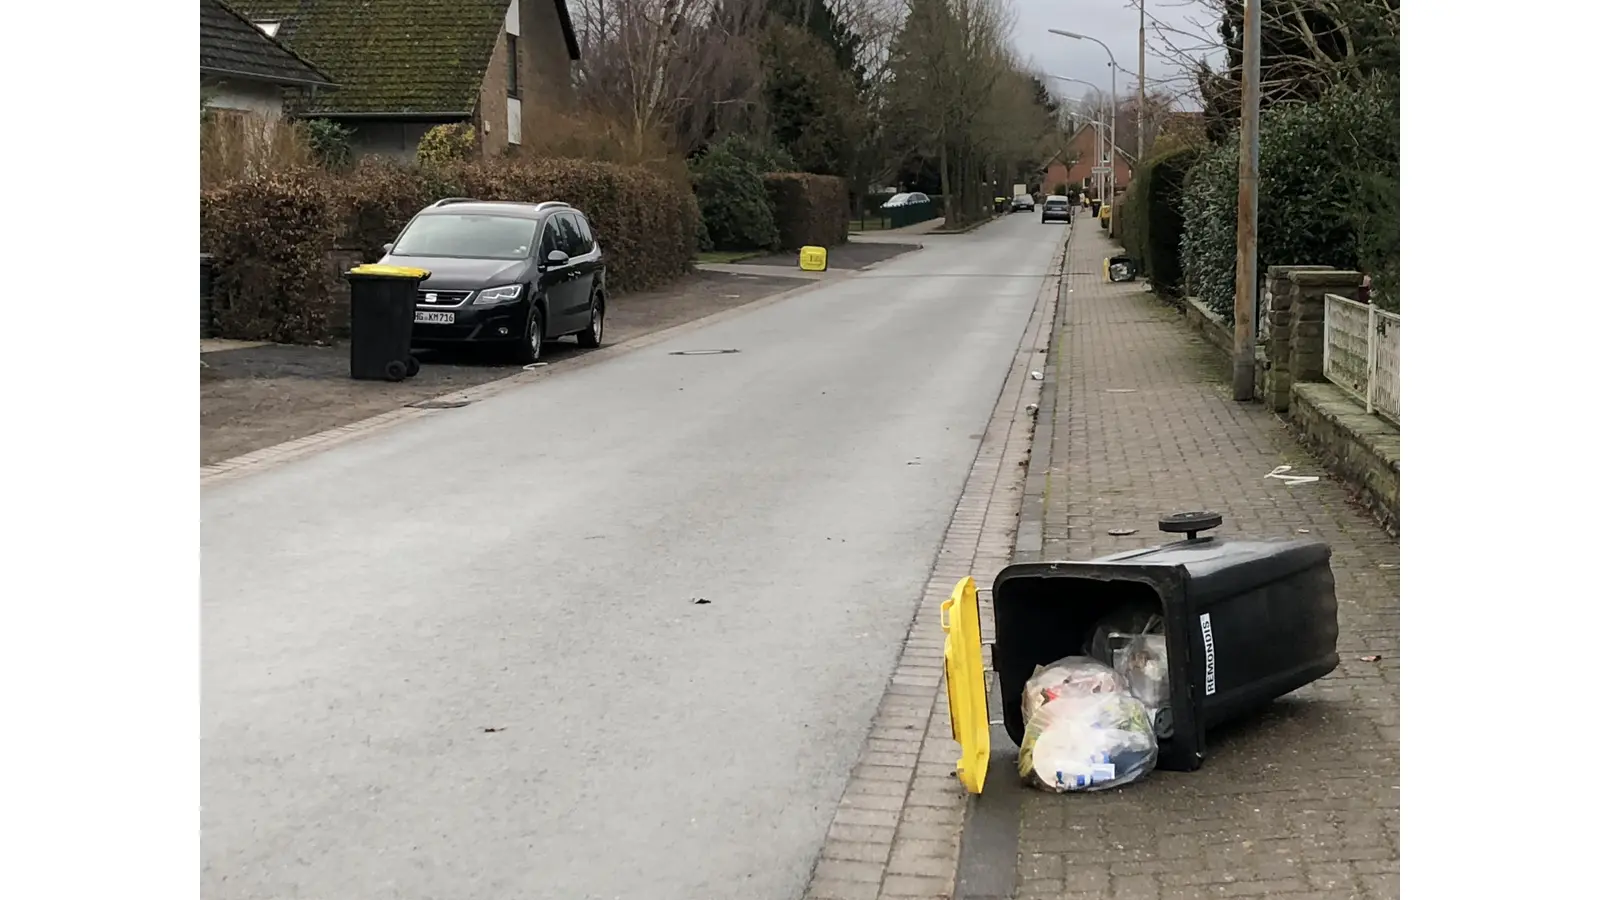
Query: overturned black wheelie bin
1245,621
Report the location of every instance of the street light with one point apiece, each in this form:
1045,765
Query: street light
1083,37
1099,133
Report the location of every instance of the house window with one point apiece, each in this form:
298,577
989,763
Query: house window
513,89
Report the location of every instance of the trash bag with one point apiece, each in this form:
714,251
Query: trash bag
1142,661
1086,731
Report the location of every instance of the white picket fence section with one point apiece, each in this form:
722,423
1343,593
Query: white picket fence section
1361,353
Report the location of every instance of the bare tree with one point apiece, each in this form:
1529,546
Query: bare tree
954,91
1307,45
673,68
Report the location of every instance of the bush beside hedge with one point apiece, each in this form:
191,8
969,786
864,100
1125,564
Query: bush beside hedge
810,210
270,237
273,236
1315,160
733,200
1152,217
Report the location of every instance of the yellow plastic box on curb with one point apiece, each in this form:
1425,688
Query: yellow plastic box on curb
963,676
813,259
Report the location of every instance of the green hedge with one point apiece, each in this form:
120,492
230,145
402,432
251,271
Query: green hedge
810,210
274,237
1152,217
733,200
1319,162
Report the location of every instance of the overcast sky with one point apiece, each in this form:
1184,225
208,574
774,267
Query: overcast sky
1116,22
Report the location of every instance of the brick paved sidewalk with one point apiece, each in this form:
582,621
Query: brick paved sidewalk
1301,802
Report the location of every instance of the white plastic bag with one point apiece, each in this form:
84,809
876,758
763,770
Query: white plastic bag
1142,661
1086,731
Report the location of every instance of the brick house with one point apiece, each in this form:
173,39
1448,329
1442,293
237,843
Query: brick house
243,70
1073,164
404,66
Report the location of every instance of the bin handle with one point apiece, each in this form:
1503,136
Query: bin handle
944,614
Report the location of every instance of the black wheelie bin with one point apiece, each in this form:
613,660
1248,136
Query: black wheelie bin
383,304
1244,621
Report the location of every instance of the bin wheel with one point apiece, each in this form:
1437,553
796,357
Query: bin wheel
1189,523
413,366
394,370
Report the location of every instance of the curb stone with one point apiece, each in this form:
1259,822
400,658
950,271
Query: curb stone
897,830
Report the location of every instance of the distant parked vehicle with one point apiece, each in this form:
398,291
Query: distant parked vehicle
504,274
1022,202
905,199
1056,209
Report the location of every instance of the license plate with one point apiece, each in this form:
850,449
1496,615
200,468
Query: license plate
435,318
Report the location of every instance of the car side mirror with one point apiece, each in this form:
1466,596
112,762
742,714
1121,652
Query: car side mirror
388,248
556,258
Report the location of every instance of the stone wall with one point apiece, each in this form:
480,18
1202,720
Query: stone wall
1362,450
1294,334
1210,326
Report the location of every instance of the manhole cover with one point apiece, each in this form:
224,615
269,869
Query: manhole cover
438,404
700,352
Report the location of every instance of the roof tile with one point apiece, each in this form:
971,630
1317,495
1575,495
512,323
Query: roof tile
391,56
229,43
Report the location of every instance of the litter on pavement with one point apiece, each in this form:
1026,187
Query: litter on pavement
1282,474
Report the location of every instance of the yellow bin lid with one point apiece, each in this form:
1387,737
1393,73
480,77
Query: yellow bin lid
377,271
814,259
963,676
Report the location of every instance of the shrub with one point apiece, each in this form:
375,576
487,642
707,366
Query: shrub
330,142
236,145
375,199
810,210
1152,217
733,200
764,156
271,235
450,143
645,222
555,133
1315,159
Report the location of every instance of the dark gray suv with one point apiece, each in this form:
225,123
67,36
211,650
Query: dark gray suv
504,274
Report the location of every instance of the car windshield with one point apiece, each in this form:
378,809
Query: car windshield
897,199
467,236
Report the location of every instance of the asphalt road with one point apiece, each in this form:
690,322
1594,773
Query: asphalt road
460,659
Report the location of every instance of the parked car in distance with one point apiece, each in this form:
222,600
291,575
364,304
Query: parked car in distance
1056,209
504,274
1022,202
905,199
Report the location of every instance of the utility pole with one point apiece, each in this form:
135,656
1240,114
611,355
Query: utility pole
1141,80
1244,284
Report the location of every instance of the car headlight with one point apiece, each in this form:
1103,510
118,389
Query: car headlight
494,295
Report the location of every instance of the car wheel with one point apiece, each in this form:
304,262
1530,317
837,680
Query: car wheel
590,337
531,348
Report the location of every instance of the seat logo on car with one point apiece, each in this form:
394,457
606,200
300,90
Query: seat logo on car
431,298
